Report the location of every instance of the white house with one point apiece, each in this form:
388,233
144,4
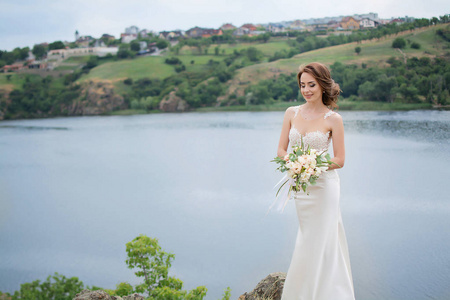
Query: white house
132,30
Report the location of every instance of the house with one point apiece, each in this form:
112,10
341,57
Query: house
250,27
397,20
65,53
99,43
228,26
37,64
211,32
170,35
203,32
275,28
349,23
12,68
84,41
127,38
132,30
368,23
334,25
320,27
297,25
241,31
107,37
194,32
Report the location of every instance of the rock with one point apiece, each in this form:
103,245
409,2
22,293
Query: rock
93,295
270,288
102,295
173,103
98,97
133,297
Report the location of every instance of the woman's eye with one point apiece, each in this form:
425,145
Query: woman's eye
312,85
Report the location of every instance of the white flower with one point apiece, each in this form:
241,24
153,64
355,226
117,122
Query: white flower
291,173
297,167
324,168
304,177
310,171
318,171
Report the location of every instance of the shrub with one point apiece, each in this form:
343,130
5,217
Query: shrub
399,43
415,45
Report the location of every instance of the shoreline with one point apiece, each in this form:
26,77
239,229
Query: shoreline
343,106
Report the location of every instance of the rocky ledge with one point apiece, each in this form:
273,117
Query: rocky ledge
102,295
270,288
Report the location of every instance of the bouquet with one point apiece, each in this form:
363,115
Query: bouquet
303,167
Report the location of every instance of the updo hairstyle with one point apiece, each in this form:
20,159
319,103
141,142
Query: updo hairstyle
321,73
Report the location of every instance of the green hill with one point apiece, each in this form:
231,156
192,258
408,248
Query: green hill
373,53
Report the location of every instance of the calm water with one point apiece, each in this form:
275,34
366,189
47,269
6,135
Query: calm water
74,191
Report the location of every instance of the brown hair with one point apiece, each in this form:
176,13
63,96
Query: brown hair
321,73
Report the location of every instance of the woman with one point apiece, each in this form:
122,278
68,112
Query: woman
320,265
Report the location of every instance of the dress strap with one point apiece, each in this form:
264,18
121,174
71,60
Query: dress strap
296,109
328,114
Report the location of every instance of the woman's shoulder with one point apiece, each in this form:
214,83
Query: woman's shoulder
333,117
293,109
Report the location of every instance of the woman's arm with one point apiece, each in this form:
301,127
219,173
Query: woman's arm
337,129
284,137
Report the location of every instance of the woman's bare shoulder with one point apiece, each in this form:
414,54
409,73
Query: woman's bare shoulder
334,118
292,109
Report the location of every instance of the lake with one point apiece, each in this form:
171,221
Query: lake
74,191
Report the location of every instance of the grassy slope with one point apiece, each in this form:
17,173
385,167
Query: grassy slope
15,82
374,52
149,66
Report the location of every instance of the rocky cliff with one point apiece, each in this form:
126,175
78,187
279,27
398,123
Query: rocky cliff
97,97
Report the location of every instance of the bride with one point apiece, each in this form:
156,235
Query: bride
320,265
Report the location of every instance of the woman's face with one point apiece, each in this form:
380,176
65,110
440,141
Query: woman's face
310,88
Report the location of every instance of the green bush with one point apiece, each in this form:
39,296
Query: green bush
399,43
415,45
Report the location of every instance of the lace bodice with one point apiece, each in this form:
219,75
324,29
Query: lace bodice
316,139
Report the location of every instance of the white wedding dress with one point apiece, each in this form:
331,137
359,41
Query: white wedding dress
320,265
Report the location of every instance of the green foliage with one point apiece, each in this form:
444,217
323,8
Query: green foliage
172,61
56,45
415,45
162,44
227,294
56,287
153,263
358,50
134,46
444,33
123,289
399,43
39,51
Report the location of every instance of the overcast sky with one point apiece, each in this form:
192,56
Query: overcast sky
28,22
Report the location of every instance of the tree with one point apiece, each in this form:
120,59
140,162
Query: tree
134,46
399,43
358,50
56,45
56,287
162,44
39,51
153,263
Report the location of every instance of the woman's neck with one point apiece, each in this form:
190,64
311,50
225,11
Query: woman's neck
314,106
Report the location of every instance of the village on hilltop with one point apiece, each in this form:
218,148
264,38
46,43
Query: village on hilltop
107,44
